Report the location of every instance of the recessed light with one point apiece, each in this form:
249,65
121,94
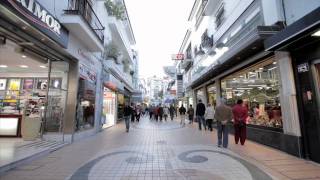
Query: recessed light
316,33
261,68
43,39
23,66
274,63
43,66
3,66
24,56
24,27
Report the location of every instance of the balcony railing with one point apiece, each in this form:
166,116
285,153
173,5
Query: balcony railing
84,8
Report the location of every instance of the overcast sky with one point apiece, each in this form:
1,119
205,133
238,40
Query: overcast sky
159,27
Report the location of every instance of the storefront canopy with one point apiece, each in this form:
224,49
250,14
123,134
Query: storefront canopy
294,34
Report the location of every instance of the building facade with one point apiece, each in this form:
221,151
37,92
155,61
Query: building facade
54,71
226,58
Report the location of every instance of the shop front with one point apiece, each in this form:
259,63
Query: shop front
110,101
258,86
85,118
212,95
34,72
299,43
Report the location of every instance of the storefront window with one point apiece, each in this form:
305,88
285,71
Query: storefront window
121,101
259,87
212,95
200,95
86,99
109,107
24,86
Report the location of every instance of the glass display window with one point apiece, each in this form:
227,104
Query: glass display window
258,86
212,95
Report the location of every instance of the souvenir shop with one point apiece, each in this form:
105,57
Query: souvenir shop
33,73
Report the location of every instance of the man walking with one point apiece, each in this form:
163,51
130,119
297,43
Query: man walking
240,115
200,111
182,112
127,114
160,112
223,115
171,109
190,114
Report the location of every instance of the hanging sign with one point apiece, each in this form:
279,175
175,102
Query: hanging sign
38,16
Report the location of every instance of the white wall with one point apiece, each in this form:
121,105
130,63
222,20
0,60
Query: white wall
296,9
272,11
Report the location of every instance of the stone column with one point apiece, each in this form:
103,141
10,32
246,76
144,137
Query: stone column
289,108
218,87
70,112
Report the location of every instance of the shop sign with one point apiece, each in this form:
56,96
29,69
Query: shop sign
303,68
35,14
110,85
87,74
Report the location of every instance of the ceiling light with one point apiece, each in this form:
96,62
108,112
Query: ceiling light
24,56
274,63
43,66
261,68
317,34
23,66
3,66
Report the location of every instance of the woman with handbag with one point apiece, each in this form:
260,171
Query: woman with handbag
240,115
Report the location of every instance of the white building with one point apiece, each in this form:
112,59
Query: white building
226,58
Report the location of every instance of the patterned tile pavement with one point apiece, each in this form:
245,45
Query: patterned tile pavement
162,150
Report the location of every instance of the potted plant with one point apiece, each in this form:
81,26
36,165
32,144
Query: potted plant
116,9
111,51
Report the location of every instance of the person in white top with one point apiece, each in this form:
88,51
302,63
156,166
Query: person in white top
166,112
209,116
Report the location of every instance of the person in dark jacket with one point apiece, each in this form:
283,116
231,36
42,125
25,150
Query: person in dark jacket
127,114
171,110
200,111
182,111
190,114
133,112
160,112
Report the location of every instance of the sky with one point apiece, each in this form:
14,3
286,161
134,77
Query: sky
159,27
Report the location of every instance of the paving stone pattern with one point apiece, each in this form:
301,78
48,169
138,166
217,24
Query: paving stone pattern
151,150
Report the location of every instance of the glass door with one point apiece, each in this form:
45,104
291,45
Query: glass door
57,93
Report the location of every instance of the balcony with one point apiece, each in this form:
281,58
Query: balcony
81,20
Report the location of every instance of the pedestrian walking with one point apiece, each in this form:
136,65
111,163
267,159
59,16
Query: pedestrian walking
138,113
190,114
166,112
156,113
171,109
223,116
151,110
209,116
200,111
133,112
240,115
127,114
182,112
160,112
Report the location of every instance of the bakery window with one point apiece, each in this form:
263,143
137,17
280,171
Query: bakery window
258,86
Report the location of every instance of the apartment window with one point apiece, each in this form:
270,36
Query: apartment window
220,16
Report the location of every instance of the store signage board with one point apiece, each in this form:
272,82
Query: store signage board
303,68
88,74
38,16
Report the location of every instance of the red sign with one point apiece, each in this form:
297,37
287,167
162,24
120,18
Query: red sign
177,56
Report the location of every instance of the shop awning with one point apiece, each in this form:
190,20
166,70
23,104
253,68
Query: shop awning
295,32
110,85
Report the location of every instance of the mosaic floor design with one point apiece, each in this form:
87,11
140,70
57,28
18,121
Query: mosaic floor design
161,161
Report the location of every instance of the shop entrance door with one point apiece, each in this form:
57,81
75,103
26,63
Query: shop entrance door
311,103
